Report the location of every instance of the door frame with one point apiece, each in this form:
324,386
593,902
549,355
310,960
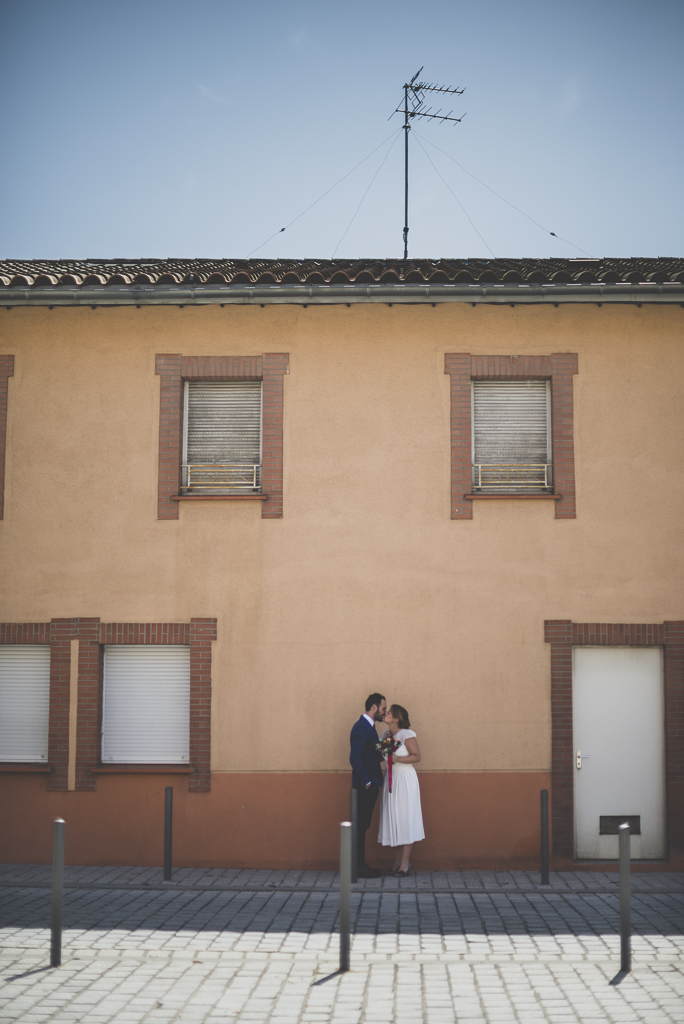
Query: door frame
564,634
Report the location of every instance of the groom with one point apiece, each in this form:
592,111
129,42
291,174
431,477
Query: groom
365,760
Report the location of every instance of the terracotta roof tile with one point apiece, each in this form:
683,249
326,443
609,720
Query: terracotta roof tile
75,273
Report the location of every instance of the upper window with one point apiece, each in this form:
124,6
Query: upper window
146,704
222,438
24,702
512,436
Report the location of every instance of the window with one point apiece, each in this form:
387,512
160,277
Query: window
24,702
146,704
539,375
222,438
512,449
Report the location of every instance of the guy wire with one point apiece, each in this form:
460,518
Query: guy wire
364,195
280,230
453,193
516,208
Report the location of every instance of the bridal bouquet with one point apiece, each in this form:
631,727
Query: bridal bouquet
387,748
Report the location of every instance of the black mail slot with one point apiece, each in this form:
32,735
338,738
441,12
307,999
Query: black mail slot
609,824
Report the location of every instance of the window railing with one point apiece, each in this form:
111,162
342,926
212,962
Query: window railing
512,476
221,476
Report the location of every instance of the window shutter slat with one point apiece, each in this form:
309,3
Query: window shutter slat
510,422
24,702
146,712
224,423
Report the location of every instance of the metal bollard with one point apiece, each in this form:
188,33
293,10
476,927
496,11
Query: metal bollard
544,837
625,899
354,815
345,893
168,831
57,892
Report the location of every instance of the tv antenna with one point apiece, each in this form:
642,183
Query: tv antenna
414,106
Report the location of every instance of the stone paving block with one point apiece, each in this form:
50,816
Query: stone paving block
423,956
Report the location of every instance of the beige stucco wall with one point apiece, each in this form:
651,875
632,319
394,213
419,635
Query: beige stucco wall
366,582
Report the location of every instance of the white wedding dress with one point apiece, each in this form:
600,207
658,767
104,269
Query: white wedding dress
401,819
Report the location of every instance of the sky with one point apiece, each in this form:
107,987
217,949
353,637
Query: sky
154,128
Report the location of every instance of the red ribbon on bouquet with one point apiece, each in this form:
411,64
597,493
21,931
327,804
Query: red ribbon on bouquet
389,771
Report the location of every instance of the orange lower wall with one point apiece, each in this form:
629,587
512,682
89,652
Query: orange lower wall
268,821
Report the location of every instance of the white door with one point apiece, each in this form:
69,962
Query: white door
619,741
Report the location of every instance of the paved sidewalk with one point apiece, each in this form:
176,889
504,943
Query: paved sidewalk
238,946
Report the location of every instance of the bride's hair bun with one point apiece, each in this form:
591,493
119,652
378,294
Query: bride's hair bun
400,713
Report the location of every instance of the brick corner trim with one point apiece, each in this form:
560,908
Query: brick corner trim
6,371
92,636
559,368
202,634
563,635
174,370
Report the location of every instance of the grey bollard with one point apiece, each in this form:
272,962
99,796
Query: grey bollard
625,899
57,892
168,831
354,815
345,893
544,837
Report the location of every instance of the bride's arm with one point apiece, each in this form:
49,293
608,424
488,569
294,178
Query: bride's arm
413,757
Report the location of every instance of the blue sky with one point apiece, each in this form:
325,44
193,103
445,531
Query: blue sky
150,128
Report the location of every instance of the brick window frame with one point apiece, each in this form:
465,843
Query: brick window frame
93,635
174,370
558,368
563,635
6,371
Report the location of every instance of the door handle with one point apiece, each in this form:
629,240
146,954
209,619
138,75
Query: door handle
578,760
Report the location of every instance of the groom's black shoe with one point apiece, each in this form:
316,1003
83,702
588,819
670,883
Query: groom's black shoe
365,872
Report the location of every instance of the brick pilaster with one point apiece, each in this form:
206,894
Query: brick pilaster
168,368
61,633
458,366
202,633
6,371
89,703
89,727
275,366
674,734
558,633
563,367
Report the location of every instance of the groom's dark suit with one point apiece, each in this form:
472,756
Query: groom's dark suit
365,760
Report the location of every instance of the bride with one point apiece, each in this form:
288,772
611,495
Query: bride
401,819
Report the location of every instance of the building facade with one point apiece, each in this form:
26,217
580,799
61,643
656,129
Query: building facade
238,496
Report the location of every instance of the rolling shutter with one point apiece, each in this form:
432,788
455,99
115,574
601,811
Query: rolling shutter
24,702
146,705
223,436
512,426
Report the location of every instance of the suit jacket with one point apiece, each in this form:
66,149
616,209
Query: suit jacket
364,758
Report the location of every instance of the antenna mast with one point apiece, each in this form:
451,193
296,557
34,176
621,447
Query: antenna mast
415,91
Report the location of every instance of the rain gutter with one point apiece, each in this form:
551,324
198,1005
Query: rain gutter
335,294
